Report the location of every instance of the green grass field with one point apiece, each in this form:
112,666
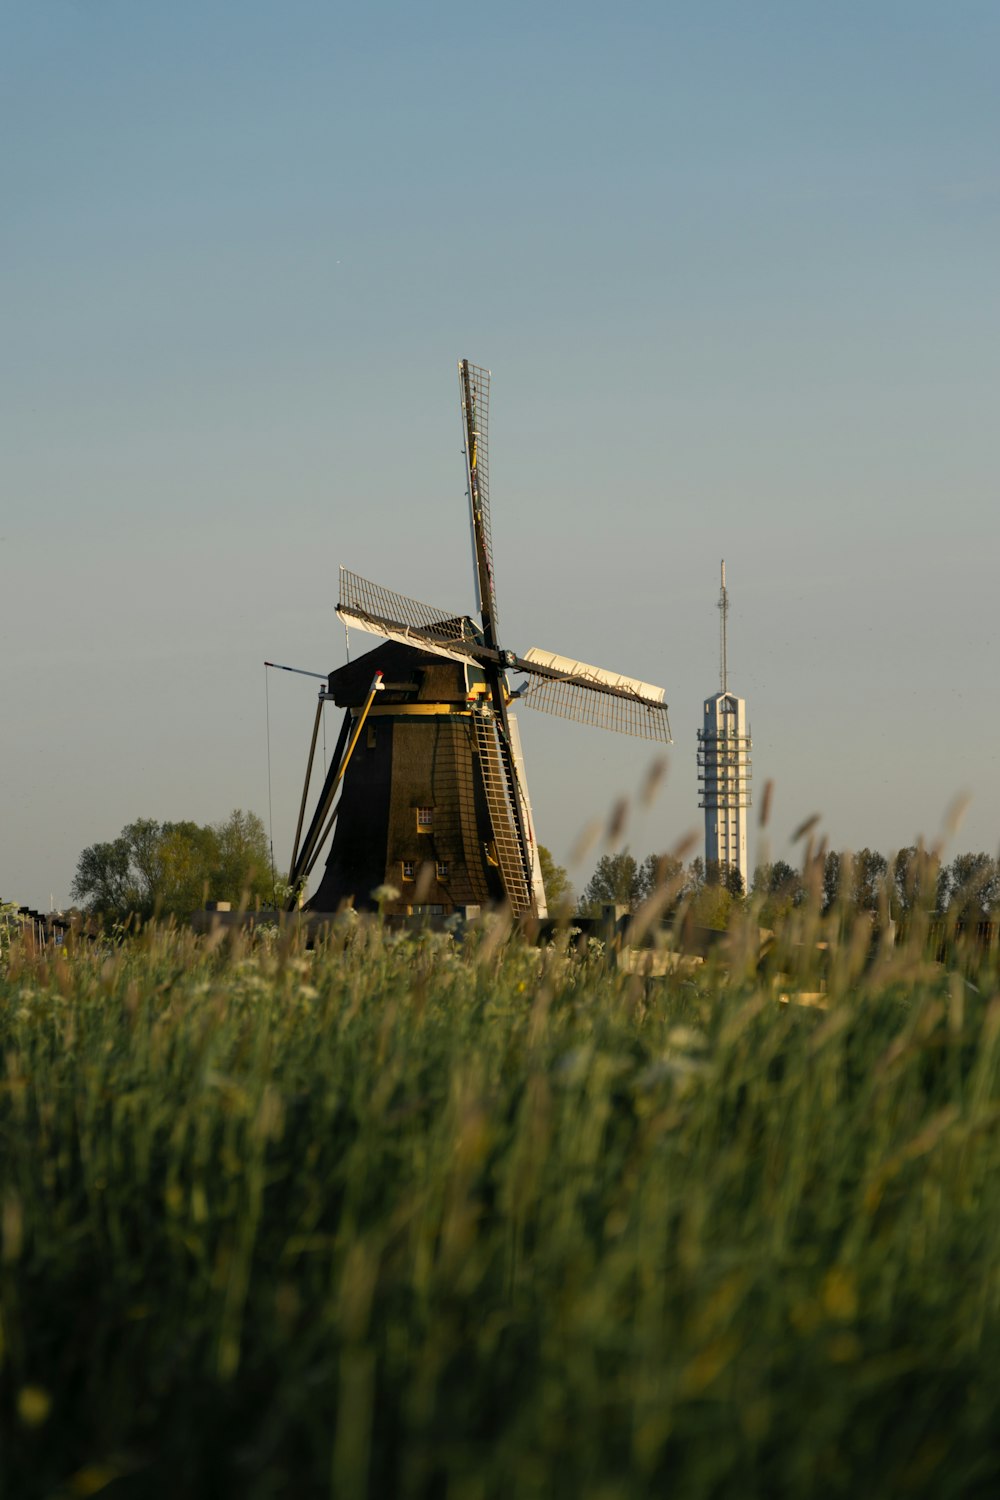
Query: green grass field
401,1218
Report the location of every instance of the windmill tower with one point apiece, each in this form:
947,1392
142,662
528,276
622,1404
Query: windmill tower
433,798
724,746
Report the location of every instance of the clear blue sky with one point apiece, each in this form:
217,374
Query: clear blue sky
735,270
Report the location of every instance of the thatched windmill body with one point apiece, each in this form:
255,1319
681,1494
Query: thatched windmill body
433,800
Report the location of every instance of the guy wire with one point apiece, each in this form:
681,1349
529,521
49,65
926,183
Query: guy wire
270,811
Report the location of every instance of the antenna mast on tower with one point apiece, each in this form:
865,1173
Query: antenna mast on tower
723,612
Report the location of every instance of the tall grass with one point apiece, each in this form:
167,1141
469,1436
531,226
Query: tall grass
397,1217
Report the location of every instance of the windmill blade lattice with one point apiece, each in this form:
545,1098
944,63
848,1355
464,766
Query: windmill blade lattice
591,695
475,392
396,617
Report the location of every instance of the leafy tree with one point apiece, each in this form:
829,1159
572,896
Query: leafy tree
187,855
725,875
712,905
618,878
143,838
868,872
244,858
115,879
973,886
857,879
171,868
555,881
778,886
659,870
778,878
913,875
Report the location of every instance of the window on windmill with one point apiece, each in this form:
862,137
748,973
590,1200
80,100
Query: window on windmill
443,869
409,868
371,736
425,819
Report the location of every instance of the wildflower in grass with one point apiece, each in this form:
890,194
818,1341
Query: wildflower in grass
33,1405
94,1477
840,1295
687,1039
384,893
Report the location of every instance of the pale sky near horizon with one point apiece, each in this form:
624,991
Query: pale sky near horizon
735,271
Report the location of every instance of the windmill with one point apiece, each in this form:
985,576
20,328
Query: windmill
433,796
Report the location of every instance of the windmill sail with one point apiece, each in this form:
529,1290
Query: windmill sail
591,695
475,391
396,617
514,818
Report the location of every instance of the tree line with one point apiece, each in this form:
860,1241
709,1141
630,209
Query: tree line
170,869
966,889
